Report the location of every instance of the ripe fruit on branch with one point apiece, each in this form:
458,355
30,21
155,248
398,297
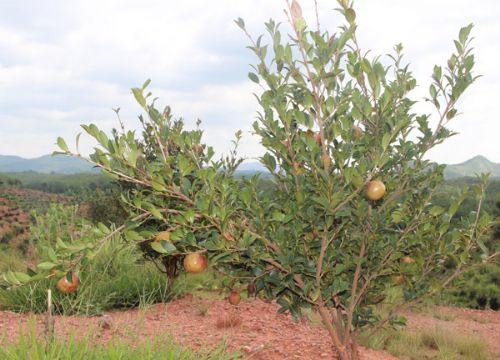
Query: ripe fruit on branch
197,149
375,190
398,279
357,131
297,168
326,161
228,236
162,235
314,136
66,287
195,263
234,298
251,288
407,260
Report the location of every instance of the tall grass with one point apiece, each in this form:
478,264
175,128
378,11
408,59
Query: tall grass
32,348
116,278
437,344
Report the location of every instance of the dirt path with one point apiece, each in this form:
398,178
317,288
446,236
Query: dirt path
259,332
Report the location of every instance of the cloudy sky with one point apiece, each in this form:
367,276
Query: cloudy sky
66,62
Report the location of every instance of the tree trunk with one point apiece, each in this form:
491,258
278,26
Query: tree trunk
346,350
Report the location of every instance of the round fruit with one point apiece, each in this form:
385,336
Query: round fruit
407,260
198,149
162,235
375,190
398,279
317,138
234,298
66,287
297,168
326,161
228,236
251,288
195,263
357,131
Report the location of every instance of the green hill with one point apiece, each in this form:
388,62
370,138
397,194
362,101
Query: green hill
45,164
476,165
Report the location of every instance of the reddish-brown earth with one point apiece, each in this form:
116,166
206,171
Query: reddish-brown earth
259,332
253,328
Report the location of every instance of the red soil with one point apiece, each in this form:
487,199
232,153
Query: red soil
259,332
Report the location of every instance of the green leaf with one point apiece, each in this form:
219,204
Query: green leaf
46,265
253,77
62,144
163,247
350,15
239,21
139,97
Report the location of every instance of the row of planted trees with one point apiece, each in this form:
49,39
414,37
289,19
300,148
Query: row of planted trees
352,212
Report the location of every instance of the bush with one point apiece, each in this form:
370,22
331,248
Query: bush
334,121
478,289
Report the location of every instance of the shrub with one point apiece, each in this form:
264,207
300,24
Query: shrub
335,121
479,288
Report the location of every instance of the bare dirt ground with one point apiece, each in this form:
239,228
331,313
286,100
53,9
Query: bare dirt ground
252,328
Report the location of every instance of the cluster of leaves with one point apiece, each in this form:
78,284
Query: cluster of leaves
332,120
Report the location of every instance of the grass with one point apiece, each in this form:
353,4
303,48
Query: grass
436,344
11,259
117,278
32,348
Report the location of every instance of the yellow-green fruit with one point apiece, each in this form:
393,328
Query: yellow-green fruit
407,260
398,279
195,263
375,190
163,235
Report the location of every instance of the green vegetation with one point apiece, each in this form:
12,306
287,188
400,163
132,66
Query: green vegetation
117,276
436,344
60,183
33,348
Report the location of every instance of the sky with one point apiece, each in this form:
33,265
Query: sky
65,62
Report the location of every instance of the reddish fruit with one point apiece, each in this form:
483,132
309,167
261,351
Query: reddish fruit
297,168
195,263
285,143
407,260
162,235
251,288
228,236
375,190
317,138
198,149
234,298
398,279
66,287
357,131
326,161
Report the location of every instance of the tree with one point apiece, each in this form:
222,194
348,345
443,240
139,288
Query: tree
332,120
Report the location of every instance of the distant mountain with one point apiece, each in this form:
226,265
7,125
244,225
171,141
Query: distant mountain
70,165
45,164
471,167
476,165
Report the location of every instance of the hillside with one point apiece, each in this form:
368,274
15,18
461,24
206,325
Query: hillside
45,164
69,165
476,165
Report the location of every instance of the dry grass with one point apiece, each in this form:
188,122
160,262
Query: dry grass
436,344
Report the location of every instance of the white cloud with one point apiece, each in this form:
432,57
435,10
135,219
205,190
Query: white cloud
63,63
